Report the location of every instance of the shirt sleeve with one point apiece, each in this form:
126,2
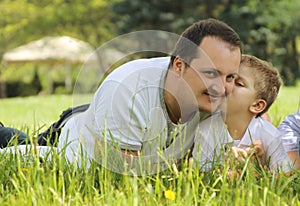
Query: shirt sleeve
277,158
290,129
211,136
120,116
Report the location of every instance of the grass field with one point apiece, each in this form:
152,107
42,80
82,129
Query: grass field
29,181
39,111
288,102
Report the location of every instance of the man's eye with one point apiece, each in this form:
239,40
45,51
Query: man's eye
230,78
211,74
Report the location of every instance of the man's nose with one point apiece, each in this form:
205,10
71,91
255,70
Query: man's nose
228,87
220,86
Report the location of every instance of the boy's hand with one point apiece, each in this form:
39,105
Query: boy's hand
256,148
238,153
242,153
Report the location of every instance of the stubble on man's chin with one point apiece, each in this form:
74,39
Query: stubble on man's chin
205,110
223,106
204,113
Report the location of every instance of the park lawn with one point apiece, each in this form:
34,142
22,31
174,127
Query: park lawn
40,111
37,112
31,181
288,102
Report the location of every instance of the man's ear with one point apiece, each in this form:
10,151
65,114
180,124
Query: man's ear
178,66
258,106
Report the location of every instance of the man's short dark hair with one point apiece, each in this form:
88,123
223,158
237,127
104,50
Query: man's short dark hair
187,45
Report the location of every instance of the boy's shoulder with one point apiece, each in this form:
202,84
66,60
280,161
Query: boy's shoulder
261,126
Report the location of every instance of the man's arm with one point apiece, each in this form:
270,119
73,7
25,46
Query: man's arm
290,128
294,156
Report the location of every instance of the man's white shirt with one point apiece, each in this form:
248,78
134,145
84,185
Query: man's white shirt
128,111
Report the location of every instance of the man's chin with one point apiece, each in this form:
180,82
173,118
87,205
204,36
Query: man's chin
223,107
212,107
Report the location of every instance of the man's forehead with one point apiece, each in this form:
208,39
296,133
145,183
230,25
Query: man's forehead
205,64
202,61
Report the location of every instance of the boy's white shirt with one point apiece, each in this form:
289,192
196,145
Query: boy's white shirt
212,137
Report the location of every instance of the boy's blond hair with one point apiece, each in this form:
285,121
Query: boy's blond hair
267,80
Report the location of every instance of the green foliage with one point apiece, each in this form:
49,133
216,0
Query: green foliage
24,21
30,79
268,29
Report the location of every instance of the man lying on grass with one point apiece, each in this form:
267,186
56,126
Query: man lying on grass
238,129
145,113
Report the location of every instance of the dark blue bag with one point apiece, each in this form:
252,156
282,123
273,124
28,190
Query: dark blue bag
50,136
8,135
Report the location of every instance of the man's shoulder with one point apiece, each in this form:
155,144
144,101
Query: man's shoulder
152,67
211,117
214,122
160,62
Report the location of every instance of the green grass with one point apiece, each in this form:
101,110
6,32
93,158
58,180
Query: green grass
36,112
25,182
31,181
288,102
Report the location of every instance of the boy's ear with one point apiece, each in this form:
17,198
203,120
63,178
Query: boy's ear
258,106
178,66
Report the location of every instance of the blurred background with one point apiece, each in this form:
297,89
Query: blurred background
268,29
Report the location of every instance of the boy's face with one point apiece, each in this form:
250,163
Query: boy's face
243,94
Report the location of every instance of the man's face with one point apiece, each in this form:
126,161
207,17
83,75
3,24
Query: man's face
211,75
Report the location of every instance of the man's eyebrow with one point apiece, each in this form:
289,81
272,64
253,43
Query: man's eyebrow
210,69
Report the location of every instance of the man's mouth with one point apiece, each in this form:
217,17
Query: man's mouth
214,97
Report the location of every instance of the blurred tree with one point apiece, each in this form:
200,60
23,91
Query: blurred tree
268,29
166,15
15,15
23,21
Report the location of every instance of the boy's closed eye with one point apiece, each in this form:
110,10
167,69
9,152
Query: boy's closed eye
239,83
